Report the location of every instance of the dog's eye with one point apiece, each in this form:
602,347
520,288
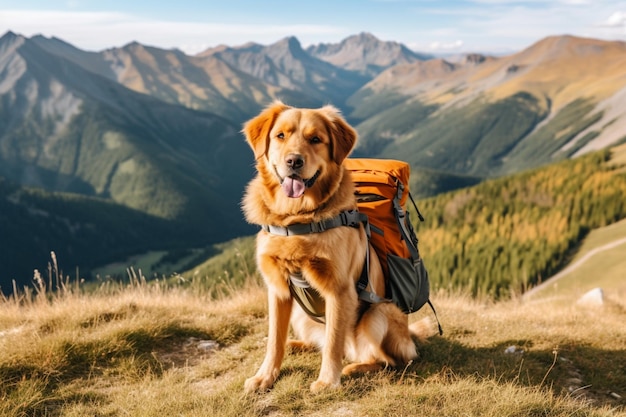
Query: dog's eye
281,135
315,139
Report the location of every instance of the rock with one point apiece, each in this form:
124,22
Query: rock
513,350
574,381
593,298
207,345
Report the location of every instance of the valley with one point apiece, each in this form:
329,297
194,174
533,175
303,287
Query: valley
154,133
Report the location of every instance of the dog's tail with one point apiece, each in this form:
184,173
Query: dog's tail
422,329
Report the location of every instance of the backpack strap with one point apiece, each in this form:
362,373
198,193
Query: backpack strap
432,307
402,221
419,215
364,279
350,218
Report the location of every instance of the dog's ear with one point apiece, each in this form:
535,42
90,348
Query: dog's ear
257,130
344,137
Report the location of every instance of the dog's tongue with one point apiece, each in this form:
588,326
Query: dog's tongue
293,187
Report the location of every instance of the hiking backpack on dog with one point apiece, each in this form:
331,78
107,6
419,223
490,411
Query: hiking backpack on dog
382,192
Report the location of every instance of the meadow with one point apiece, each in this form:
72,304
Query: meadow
155,348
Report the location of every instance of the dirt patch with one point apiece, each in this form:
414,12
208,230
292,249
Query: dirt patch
189,352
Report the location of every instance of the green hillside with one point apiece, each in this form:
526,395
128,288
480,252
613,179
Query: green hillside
426,182
82,231
66,129
473,139
508,234
599,261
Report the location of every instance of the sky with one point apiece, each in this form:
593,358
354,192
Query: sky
431,26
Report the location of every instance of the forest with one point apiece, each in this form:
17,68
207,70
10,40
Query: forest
504,235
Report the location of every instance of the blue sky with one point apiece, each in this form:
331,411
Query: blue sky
440,26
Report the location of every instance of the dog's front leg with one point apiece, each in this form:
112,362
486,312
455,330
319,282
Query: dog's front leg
340,318
279,314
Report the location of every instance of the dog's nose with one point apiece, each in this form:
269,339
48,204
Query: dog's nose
294,161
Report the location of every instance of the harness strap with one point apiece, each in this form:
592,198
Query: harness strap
308,297
350,218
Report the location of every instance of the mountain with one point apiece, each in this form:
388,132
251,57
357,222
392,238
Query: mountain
488,116
63,128
233,82
365,54
156,131
199,83
285,64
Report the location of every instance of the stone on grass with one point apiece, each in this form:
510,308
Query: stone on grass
593,298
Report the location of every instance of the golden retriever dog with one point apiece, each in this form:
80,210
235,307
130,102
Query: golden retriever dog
300,180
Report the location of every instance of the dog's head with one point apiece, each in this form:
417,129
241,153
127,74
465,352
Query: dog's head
300,148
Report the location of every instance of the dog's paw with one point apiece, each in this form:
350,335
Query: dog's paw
319,386
361,368
258,383
300,346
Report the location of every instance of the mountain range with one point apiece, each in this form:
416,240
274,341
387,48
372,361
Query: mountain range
156,131
488,116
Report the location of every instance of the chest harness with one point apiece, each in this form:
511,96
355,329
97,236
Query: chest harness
309,299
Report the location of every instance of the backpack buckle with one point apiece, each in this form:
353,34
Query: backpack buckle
349,218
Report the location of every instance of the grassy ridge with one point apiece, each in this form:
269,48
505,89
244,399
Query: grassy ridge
146,350
599,262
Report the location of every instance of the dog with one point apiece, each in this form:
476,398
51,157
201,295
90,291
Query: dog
300,180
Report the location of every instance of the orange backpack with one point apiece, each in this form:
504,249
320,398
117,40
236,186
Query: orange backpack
382,192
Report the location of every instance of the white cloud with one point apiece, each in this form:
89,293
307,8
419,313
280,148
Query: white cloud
617,19
577,2
99,30
446,46
544,3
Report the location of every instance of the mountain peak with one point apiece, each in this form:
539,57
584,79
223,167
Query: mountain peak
365,36
10,40
133,45
10,37
569,45
290,42
365,53
289,46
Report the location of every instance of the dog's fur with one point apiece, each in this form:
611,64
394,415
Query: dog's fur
291,147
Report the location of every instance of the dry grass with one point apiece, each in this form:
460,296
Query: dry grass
141,350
